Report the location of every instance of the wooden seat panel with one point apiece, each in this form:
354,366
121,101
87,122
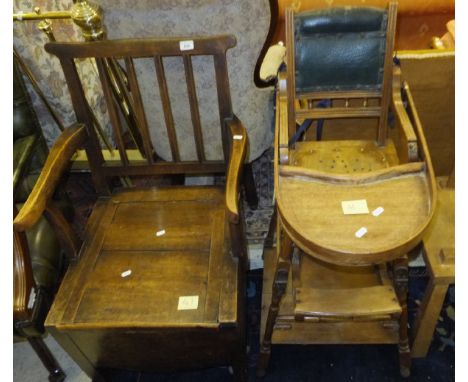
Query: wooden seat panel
129,275
344,157
346,302
289,331
147,295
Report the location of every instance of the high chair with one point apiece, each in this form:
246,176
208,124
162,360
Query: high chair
348,210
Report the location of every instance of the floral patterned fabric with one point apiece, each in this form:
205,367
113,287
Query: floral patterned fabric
247,20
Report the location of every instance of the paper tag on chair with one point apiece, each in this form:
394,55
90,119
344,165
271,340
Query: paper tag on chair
188,303
354,207
186,45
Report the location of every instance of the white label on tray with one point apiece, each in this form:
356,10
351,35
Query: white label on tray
378,211
361,232
354,207
188,303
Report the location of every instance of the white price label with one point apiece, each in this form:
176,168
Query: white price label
378,211
188,303
354,207
186,45
361,232
126,273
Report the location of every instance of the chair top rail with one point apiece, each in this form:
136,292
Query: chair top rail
143,47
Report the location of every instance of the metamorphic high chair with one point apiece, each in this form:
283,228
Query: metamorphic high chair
348,211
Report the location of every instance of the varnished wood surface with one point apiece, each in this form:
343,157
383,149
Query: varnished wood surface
239,140
23,280
431,76
141,47
439,255
57,162
344,157
320,225
143,249
439,240
379,300
311,220
313,272
427,317
107,316
130,50
382,131
175,264
405,136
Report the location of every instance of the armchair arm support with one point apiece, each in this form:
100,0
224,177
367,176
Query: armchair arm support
408,138
57,161
23,280
236,161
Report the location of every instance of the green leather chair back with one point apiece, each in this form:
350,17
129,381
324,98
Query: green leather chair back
340,49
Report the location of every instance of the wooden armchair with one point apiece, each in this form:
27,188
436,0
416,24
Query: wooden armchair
340,273
158,283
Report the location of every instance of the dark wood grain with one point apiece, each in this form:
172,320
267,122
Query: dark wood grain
387,72
166,103
57,162
83,115
138,104
197,130
144,248
112,110
68,239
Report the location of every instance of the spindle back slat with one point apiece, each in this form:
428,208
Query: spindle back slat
138,106
112,109
106,54
166,103
80,105
197,130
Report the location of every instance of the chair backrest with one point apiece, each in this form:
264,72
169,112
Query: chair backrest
340,54
112,53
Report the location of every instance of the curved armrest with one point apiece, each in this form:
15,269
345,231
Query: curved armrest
57,161
236,160
408,138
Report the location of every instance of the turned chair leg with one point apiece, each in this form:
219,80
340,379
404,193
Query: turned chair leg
249,187
56,373
401,287
279,288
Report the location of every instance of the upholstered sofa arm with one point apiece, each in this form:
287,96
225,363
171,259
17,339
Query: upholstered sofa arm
236,161
57,162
